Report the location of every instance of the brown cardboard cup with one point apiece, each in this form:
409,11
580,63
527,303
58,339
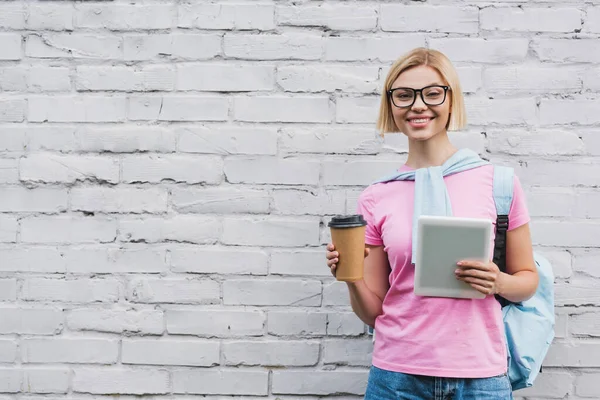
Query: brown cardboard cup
348,237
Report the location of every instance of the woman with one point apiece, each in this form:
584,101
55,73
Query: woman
433,347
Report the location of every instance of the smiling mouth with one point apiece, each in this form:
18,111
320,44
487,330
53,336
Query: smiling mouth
420,120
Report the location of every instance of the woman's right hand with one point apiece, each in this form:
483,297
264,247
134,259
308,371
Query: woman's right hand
333,257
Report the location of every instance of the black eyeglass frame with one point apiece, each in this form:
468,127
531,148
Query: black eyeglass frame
420,92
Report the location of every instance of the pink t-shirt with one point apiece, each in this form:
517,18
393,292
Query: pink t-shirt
434,336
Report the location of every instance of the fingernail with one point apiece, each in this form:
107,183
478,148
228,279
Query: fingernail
456,271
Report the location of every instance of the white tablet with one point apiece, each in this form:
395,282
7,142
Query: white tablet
441,243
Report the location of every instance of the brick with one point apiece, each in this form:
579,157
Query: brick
319,382
125,79
51,17
49,79
327,140
590,77
124,139
225,77
71,290
591,139
215,260
12,15
120,381
580,112
577,293
489,51
219,200
227,140
130,259
520,19
31,321
297,323
19,199
68,229
119,200
180,228
40,137
227,16
70,350
586,324
272,232
269,170
330,16
580,233
9,170
124,17
8,350
335,294
221,382
567,51
328,78
592,20
32,260
170,352
580,355
215,323
67,45
579,172
532,79
471,79
184,291
586,262
348,352
45,380
271,353
561,326
12,110
586,385
12,139
174,46
356,173
344,324
357,109
282,109
289,46
147,322
8,292
176,168
8,229
560,260
76,109
370,49
587,204
13,79
422,18
272,292
50,168
543,143
11,46
10,380
179,108
550,385
521,111
299,263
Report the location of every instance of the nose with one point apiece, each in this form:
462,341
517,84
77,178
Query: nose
418,105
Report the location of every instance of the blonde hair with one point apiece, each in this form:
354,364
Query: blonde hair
436,60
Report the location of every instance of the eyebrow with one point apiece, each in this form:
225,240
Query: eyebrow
431,84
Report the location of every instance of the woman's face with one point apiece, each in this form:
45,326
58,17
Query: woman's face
421,121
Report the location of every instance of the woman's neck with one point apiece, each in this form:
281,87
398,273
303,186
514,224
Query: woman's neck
429,153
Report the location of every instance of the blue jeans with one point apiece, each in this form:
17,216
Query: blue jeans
384,385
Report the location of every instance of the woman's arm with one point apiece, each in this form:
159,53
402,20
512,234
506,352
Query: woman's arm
366,295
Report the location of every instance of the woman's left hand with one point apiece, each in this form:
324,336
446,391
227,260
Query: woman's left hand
484,277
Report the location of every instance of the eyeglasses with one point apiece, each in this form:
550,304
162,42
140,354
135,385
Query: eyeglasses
433,95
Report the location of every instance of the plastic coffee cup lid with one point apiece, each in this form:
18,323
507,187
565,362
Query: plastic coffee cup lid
347,221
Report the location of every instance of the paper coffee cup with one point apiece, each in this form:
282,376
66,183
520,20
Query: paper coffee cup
348,237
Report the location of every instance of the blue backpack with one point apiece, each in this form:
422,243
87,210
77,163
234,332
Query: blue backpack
529,325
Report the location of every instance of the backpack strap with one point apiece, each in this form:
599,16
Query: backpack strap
503,195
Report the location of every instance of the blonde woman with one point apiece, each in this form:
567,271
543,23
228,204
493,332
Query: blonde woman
434,347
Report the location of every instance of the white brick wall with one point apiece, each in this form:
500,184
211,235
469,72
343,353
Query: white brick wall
167,170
